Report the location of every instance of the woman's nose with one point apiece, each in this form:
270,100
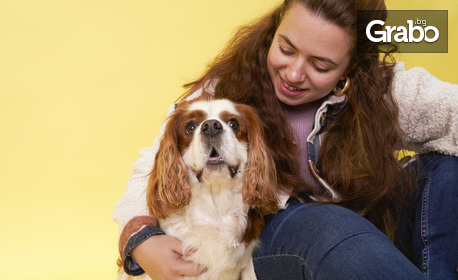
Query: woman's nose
296,73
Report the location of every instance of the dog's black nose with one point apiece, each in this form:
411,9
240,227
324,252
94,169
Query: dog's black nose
211,127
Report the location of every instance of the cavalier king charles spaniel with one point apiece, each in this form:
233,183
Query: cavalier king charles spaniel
212,182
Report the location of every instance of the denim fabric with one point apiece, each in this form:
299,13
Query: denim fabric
131,267
434,237
318,241
330,109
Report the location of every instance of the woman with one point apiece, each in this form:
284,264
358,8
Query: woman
304,64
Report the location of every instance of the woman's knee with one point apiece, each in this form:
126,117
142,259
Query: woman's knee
313,226
315,217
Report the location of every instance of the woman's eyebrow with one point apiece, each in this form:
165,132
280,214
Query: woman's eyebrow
325,59
288,41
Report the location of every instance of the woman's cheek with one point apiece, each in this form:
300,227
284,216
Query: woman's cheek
319,82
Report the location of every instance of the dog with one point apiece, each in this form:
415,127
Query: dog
212,182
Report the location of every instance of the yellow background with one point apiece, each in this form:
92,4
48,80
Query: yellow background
83,86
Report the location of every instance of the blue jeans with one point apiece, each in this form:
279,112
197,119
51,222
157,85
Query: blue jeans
317,241
430,227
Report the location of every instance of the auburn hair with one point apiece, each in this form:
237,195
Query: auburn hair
357,156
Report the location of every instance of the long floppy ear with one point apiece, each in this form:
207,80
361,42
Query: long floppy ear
260,180
168,188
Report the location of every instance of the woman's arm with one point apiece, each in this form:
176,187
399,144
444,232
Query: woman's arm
427,110
131,211
143,246
136,227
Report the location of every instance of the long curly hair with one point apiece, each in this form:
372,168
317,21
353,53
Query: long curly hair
357,156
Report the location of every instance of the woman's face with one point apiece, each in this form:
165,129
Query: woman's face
308,56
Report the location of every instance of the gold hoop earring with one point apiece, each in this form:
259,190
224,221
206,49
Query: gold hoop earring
345,88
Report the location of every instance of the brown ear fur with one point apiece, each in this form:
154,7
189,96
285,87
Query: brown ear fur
255,224
260,181
168,188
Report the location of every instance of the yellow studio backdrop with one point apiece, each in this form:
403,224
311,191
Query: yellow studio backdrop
83,86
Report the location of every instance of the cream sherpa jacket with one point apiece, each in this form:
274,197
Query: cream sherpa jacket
428,119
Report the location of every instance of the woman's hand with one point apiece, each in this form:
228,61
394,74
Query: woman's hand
160,256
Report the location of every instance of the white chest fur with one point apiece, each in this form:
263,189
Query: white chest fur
211,229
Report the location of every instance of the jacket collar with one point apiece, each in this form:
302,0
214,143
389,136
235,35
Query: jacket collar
331,107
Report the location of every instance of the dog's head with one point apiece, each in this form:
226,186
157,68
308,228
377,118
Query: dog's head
210,139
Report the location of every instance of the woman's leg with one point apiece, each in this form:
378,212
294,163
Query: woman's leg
318,241
435,232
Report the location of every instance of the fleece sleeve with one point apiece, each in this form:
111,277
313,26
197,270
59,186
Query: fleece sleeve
427,110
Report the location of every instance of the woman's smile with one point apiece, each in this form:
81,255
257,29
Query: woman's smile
289,90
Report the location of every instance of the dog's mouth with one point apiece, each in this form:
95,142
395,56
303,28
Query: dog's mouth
215,161
215,158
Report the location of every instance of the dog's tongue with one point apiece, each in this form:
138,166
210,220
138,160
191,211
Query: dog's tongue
214,158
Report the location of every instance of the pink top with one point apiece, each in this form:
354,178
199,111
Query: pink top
301,119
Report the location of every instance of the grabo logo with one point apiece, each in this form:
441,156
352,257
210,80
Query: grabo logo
403,34
405,31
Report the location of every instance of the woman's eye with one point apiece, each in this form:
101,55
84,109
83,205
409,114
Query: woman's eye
285,52
233,124
190,127
319,69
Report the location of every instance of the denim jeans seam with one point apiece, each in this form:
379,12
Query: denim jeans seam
424,228
304,262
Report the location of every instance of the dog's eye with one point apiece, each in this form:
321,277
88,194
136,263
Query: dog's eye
234,124
190,127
